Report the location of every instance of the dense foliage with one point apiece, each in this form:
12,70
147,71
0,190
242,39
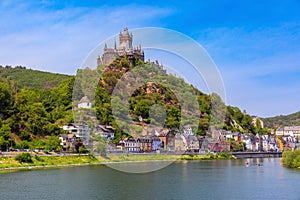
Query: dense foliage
283,120
291,159
24,158
32,79
31,118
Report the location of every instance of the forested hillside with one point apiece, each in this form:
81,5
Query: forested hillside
31,117
32,79
34,105
283,120
153,93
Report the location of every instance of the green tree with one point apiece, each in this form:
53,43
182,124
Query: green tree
218,110
5,100
291,159
53,144
5,139
24,158
247,123
173,117
142,108
100,145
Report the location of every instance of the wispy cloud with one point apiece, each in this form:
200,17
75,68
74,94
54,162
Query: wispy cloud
260,66
256,49
58,40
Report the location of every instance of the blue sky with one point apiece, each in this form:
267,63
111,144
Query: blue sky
255,44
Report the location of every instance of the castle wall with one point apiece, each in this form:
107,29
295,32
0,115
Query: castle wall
108,57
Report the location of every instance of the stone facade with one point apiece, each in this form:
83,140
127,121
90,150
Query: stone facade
125,48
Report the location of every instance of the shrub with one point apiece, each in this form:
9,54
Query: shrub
24,158
83,150
291,159
38,158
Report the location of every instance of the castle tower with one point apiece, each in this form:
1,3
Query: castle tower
125,40
125,48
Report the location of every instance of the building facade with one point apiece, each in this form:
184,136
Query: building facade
293,131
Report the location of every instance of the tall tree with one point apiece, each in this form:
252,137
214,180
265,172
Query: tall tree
5,100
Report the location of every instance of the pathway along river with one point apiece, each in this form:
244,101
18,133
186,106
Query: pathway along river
218,179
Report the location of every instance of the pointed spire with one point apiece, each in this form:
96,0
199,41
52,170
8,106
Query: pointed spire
115,45
105,46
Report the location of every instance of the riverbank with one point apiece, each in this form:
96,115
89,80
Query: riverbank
9,164
291,159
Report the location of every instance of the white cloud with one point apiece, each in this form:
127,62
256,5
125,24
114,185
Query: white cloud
58,41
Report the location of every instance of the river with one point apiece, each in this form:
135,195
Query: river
217,179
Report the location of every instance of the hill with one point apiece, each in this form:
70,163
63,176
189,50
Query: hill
42,102
148,87
32,79
283,120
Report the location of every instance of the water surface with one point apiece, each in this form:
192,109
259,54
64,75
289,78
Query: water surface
220,179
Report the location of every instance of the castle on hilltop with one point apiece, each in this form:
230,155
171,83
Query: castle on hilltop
125,49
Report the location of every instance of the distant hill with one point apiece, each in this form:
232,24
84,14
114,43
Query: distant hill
32,78
283,120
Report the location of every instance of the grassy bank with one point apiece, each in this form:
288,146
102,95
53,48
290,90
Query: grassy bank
291,159
48,161
11,162
218,156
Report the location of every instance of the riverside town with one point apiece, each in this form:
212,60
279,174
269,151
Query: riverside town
240,132
149,100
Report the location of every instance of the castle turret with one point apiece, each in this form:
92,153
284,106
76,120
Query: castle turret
125,40
98,61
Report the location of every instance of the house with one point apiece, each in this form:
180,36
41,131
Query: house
130,145
121,144
156,143
216,147
193,143
291,142
279,143
85,103
67,141
71,128
106,132
249,141
236,136
168,139
81,130
180,143
273,144
187,130
265,143
145,144
288,131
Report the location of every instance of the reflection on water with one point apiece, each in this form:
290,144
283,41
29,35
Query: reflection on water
223,179
139,167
